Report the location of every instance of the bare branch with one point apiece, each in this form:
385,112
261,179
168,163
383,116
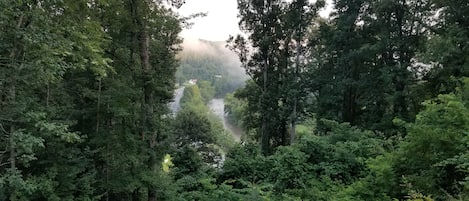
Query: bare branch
5,163
2,129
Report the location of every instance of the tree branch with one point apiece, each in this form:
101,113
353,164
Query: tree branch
5,163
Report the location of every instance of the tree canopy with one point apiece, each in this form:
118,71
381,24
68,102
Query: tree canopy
371,103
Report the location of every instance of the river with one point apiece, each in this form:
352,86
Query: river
217,106
175,106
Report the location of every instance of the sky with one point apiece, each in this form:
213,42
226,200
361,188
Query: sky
221,20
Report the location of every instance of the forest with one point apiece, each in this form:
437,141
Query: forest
371,103
212,62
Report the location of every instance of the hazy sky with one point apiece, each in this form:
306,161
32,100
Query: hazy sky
221,20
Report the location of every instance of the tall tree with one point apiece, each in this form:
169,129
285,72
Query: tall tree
366,62
400,35
340,63
298,21
135,97
260,20
46,40
273,29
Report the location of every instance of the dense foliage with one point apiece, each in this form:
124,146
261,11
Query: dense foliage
393,69
369,104
83,92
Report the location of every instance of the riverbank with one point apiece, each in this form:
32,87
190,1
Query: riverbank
217,106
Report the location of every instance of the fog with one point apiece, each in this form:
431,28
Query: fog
217,50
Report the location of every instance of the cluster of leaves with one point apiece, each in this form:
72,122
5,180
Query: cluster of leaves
200,127
84,89
235,109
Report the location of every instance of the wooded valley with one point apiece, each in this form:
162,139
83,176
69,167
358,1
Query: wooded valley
371,103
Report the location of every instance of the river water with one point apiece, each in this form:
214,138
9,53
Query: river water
217,106
175,106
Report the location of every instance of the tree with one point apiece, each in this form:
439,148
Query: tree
400,36
366,72
341,61
436,136
45,41
207,91
298,18
266,55
145,64
260,20
447,48
430,160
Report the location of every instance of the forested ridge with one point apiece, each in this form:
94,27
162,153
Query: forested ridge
208,61
371,103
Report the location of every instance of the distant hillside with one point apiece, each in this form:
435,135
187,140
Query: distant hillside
210,61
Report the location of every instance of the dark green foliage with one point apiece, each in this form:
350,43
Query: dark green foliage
380,183
192,128
235,109
438,134
311,169
273,28
429,160
447,48
245,163
207,91
341,154
71,92
85,87
192,100
42,157
251,118
367,71
195,111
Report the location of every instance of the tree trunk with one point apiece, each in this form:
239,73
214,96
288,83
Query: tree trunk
145,61
12,130
265,139
12,148
296,87
12,139
147,104
98,106
151,195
